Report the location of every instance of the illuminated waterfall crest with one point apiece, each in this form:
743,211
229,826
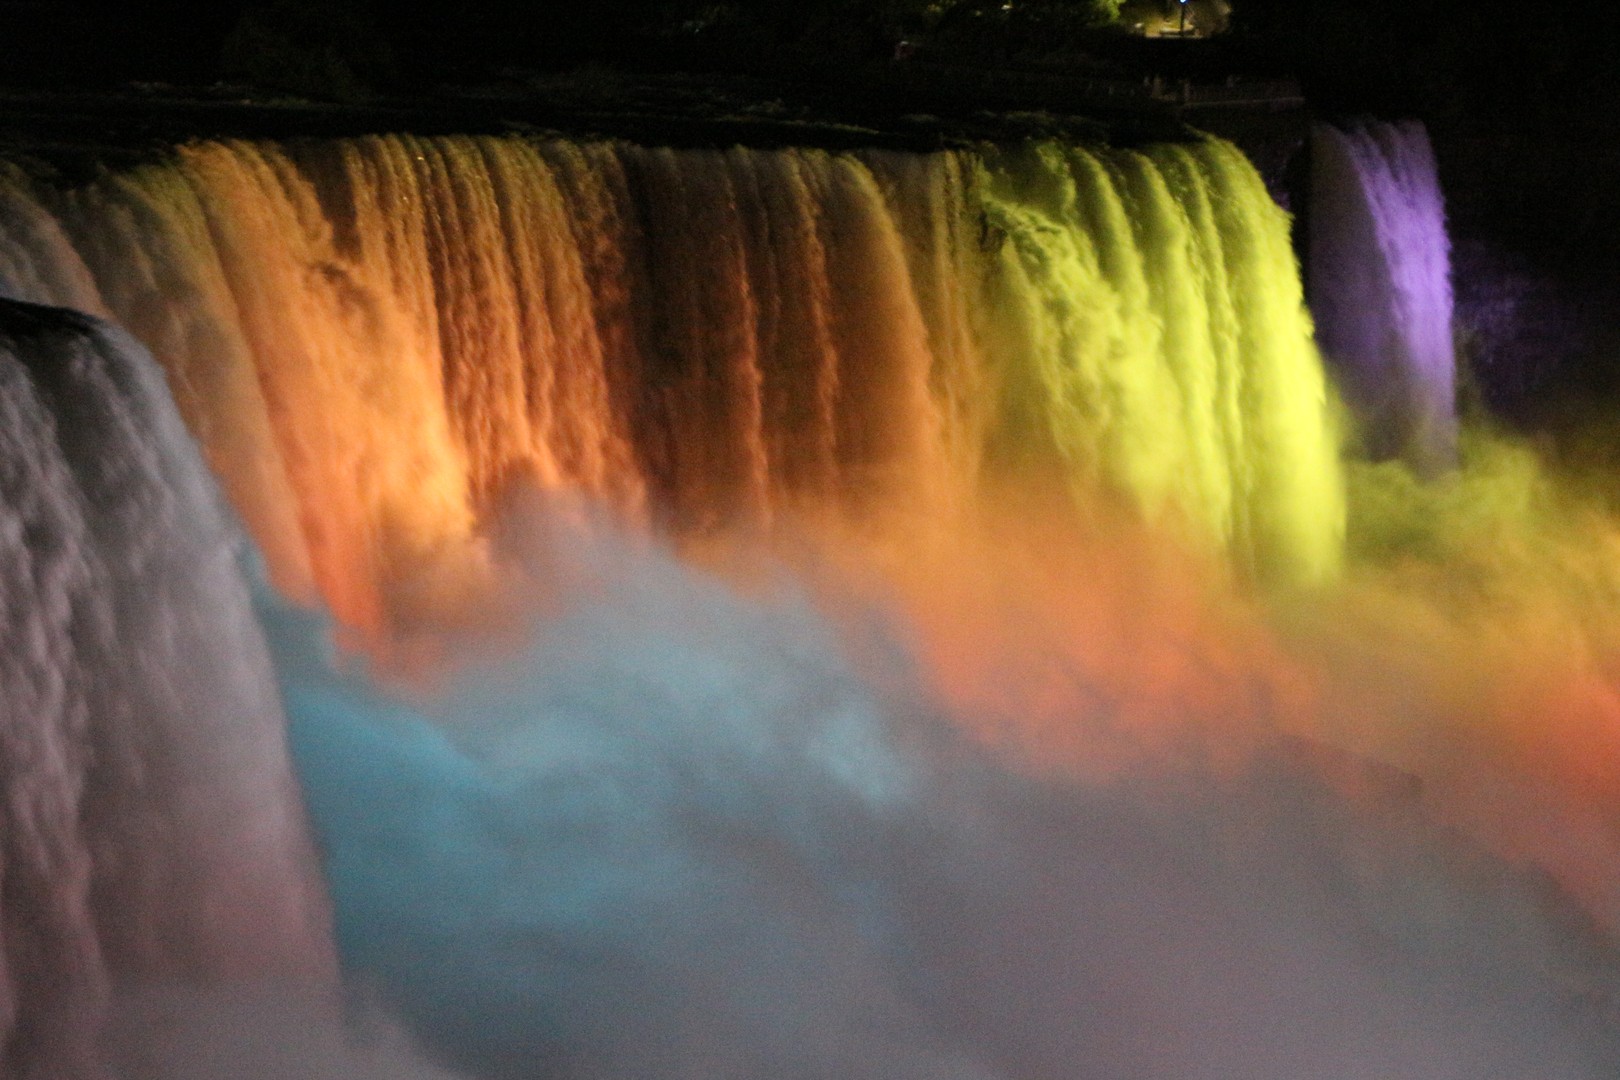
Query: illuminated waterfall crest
1380,279
373,337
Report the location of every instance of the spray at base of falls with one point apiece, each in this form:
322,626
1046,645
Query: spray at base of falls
686,829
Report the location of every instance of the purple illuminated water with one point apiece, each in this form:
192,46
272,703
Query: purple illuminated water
1380,287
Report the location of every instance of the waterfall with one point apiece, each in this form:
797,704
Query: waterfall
150,832
372,338
768,613
1380,286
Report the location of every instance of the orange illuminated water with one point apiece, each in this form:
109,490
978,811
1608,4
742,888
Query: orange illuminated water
373,339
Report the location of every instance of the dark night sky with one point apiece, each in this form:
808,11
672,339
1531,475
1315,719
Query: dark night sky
1364,48
1520,98
1522,90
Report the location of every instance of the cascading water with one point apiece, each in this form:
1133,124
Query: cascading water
872,615
371,338
150,832
1380,286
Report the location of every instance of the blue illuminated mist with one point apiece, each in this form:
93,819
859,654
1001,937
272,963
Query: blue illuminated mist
675,834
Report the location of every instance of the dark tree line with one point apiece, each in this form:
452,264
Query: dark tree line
378,41
346,47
